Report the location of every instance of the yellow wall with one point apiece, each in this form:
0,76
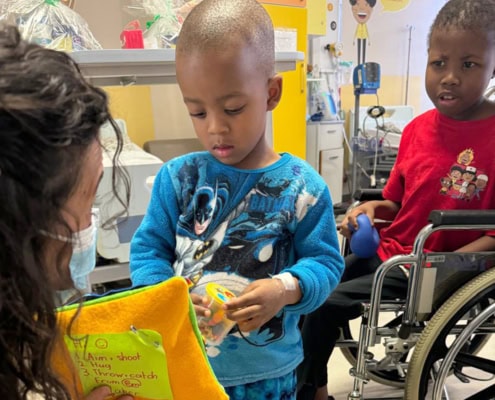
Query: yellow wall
289,118
317,17
133,104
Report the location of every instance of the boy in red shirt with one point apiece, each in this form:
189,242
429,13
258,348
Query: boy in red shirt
445,162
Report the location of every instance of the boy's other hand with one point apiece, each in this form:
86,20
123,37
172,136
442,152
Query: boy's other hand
257,304
200,305
351,218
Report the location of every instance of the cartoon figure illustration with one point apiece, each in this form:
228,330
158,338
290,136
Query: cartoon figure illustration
463,190
204,203
469,174
361,10
481,182
464,181
465,157
470,191
456,172
446,184
248,241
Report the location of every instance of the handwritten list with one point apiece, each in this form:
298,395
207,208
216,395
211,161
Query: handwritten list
132,362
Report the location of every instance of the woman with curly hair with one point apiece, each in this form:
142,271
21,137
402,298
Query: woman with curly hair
50,166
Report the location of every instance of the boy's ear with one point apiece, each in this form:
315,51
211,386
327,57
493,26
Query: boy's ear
274,92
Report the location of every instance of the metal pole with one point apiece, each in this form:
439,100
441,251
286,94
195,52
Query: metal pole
354,142
410,27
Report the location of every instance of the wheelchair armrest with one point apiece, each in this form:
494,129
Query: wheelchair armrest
462,217
367,194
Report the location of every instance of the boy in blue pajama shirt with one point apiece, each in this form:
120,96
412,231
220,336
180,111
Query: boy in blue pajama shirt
239,214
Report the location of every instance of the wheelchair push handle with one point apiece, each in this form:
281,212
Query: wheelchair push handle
365,239
368,194
462,217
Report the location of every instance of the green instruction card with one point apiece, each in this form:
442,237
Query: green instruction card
132,362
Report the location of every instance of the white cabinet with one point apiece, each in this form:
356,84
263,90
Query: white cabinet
325,152
332,171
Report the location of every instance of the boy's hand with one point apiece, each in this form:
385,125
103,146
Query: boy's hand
200,303
350,218
382,209
104,393
258,303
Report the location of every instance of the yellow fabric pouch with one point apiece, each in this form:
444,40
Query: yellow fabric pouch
144,342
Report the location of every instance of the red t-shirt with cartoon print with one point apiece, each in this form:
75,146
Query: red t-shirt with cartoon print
442,164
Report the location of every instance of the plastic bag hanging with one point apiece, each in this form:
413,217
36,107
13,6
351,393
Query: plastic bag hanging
51,24
163,19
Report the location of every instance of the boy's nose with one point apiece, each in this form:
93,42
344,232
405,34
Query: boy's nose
216,125
450,78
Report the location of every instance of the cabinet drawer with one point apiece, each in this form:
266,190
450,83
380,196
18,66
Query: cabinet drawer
330,136
332,171
296,3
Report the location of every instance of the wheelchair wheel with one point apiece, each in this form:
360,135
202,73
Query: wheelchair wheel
386,376
437,339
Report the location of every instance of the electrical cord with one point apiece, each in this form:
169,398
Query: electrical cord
374,112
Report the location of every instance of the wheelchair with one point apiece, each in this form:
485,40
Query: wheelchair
440,327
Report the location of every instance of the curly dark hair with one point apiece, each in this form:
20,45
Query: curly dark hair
470,15
49,117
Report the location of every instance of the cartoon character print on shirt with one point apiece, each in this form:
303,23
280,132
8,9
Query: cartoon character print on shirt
195,245
257,245
465,180
253,242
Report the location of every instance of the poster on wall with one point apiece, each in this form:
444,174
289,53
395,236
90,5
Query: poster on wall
362,11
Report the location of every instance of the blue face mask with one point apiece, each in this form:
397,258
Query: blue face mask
83,258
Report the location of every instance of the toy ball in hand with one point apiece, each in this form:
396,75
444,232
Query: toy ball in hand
364,240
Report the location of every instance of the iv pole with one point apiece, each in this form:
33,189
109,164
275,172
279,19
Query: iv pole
366,79
410,28
354,141
357,80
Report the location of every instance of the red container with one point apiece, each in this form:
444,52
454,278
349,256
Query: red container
132,36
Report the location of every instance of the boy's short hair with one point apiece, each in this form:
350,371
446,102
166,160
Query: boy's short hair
470,15
218,24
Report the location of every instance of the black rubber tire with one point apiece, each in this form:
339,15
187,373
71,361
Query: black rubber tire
432,345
